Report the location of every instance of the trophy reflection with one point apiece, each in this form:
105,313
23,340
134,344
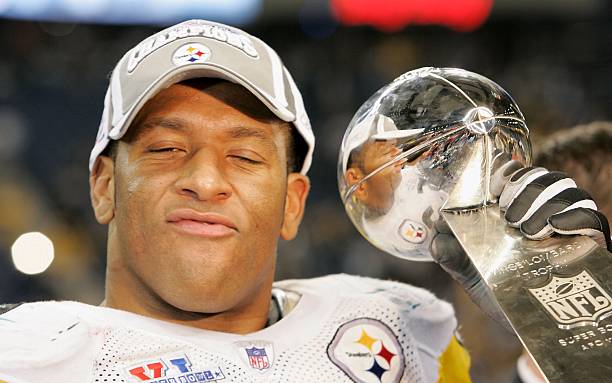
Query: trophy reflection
385,207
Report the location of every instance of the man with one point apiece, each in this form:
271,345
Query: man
380,200
199,167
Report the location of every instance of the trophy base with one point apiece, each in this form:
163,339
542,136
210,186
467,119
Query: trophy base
556,293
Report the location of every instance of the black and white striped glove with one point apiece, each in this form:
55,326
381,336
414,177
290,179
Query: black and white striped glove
541,203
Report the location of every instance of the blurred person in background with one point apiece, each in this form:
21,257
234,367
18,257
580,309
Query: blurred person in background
584,152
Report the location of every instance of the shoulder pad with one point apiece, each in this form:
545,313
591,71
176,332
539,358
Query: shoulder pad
4,308
430,319
38,334
344,284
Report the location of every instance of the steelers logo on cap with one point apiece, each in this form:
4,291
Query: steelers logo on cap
192,53
412,232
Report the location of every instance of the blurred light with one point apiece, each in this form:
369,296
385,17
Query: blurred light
4,4
29,6
32,253
393,15
161,12
86,8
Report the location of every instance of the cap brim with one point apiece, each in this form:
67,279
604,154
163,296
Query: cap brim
396,134
187,72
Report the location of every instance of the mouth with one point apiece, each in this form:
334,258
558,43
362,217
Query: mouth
207,225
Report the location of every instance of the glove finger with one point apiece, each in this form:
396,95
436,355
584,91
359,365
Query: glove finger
582,221
502,171
448,253
518,181
442,227
535,194
537,227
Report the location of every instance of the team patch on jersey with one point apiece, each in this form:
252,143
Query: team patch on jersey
192,53
412,232
257,354
177,369
367,351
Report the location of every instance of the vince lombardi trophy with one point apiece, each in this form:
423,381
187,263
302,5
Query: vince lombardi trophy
426,147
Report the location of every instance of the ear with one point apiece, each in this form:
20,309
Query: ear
353,176
298,186
102,189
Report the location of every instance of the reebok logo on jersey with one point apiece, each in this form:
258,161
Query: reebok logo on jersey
172,370
367,351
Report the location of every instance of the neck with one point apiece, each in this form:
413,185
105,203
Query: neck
241,319
126,291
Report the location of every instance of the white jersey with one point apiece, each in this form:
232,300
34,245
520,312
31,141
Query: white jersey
342,329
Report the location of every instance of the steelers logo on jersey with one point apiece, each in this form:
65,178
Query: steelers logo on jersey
412,232
191,53
367,351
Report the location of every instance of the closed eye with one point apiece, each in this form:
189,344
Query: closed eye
164,150
246,159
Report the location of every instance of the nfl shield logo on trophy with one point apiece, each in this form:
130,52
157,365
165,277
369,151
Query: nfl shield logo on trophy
257,354
574,301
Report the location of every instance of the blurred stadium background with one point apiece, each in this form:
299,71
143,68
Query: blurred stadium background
553,56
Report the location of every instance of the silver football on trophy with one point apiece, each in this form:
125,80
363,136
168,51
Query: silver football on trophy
430,140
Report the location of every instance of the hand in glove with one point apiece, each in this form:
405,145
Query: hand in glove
539,203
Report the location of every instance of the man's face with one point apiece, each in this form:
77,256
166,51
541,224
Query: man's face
377,192
201,195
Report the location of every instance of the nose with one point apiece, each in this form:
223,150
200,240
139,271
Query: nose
203,179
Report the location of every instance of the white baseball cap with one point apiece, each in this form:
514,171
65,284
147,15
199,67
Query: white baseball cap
377,127
194,49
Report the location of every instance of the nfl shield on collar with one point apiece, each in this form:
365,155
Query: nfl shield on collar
193,49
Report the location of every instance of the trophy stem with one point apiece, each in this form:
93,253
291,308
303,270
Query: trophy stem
556,293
